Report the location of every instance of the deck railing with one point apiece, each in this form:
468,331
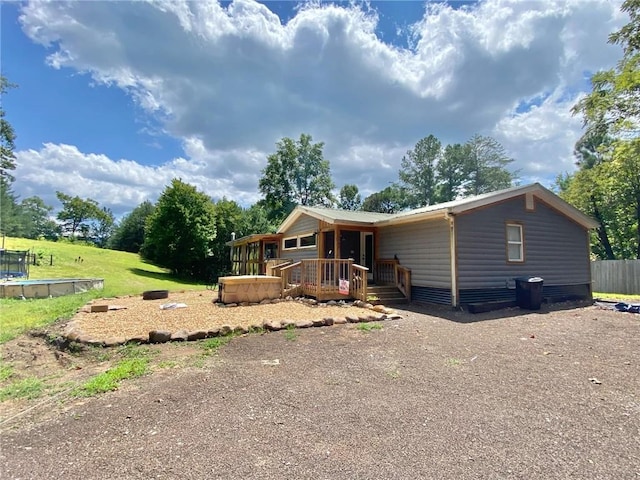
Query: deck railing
324,279
403,279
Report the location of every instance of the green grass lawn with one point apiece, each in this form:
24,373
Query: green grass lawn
123,273
617,296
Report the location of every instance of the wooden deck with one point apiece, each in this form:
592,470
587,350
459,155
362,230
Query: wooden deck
333,279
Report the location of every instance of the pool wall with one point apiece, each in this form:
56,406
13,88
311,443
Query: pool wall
49,288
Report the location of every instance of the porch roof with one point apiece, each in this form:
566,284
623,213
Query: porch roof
256,237
334,216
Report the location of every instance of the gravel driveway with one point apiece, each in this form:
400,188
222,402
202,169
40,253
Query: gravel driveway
554,394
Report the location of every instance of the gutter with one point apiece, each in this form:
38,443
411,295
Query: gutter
450,216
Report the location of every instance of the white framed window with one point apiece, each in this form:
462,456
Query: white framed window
289,243
515,243
307,241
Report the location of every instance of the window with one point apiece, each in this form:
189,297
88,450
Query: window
308,240
515,244
290,243
302,241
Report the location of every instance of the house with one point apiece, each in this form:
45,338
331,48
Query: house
456,253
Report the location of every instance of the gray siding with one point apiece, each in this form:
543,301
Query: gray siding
423,247
304,224
556,248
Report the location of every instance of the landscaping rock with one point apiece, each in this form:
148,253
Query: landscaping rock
288,323
339,321
351,319
304,323
318,323
114,342
225,330
328,321
138,339
159,336
197,335
213,332
72,336
266,301
180,336
241,330
273,326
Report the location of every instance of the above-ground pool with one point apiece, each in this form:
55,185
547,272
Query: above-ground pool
45,288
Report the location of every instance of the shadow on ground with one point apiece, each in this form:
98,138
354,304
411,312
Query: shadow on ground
459,315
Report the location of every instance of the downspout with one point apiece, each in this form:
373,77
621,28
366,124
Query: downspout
453,256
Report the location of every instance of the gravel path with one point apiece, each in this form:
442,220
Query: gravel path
554,394
134,317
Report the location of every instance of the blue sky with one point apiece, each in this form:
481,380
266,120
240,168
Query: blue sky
116,98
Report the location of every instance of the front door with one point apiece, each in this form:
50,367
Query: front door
366,253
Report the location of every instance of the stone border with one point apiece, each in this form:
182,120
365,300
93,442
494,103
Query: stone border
379,313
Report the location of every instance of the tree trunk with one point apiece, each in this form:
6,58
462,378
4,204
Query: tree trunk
602,231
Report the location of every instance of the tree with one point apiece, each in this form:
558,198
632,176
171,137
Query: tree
180,233
389,200
614,101
7,138
9,210
296,174
607,184
450,173
227,219
34,216
255,219
350,198
128,236
76,212
485,166
418,171
103,227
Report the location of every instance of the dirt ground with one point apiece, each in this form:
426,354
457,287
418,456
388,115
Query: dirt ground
435,394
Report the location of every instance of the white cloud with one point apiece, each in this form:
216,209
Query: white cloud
231,81
121,184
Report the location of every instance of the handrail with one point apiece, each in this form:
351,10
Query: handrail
287,267
403,279
359,285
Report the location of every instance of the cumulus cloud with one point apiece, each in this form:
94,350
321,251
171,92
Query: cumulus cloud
229,81
121,185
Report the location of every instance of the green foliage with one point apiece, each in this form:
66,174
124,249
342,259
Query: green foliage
255,219
607,184
180,233
485,166
418,172
614,101
128,236
350,198
290,333
7,138
227,220
9,210
76,213
297,174
451,172
123,274
211,345
35,220
368,327
389,200
29,388
110,380
6,371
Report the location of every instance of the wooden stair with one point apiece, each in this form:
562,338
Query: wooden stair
386,294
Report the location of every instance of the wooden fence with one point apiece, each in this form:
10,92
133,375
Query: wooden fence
616,276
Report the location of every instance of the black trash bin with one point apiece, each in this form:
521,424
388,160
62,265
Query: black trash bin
529,292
